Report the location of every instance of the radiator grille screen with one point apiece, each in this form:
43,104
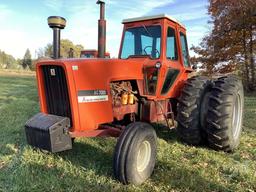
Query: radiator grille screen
56,91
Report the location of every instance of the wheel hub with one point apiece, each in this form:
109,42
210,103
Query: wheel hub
143,156
236,117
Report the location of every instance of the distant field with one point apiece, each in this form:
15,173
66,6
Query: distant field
88,167
12,72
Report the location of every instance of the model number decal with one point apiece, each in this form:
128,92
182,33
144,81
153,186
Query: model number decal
88,96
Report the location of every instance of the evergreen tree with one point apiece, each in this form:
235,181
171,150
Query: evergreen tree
27,61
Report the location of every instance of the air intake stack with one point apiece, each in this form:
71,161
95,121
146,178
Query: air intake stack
56,23
101,30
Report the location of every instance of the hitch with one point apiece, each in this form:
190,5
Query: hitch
49,132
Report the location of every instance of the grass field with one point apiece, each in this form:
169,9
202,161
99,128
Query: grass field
88,167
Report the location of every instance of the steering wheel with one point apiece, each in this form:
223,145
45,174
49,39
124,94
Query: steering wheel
156,51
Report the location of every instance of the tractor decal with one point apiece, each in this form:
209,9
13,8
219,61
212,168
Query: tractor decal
88,96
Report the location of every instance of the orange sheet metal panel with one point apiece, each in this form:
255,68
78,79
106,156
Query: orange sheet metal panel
91,75
96,75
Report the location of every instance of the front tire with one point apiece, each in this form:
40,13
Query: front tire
225,114
135,153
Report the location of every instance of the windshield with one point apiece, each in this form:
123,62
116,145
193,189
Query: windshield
139,41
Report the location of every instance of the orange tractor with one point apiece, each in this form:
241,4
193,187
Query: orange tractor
121,97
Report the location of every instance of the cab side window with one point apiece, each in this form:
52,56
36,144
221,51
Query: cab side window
170,78
184,47
171,47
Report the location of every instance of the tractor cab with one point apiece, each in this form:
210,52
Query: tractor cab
157,37
161,39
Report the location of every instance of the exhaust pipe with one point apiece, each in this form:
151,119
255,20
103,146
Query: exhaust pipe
101,30
56,23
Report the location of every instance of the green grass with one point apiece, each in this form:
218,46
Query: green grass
88,167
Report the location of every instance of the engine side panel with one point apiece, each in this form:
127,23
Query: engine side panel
94,78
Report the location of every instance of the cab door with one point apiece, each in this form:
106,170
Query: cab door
173,65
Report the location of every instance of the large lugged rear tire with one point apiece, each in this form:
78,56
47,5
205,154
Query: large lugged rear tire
135,153
225,114
192,108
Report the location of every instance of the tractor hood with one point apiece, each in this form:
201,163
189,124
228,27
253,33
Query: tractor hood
99,72
88,84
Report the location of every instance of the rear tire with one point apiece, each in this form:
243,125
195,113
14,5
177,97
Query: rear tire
192,109
225,114
135,153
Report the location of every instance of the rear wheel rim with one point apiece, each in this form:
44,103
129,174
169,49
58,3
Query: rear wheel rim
204,108
237,117
143,156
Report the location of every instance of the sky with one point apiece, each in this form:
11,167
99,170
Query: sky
23,23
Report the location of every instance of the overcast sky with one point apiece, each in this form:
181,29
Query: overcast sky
23,23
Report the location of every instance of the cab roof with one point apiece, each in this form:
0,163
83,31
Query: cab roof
144,18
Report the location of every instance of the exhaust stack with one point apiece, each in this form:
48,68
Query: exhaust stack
56,23
101,30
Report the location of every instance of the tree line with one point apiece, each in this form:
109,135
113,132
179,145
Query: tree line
230,45
9,62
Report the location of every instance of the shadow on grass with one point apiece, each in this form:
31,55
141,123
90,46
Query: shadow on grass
91,157
35,176
177,174
84,168
170,135
163,132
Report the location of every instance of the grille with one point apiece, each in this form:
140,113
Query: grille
56,91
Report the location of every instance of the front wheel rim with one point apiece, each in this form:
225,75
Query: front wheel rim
143,156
